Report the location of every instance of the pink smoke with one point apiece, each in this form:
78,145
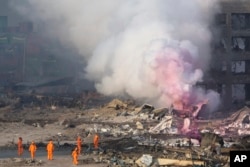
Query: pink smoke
117,41
176,75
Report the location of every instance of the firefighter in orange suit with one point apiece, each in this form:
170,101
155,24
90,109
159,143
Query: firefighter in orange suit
32,150
50,150
20,146
96,141
79,144
75,156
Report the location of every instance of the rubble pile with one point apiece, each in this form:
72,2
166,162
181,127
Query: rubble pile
210,148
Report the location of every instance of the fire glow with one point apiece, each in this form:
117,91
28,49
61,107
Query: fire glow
176,75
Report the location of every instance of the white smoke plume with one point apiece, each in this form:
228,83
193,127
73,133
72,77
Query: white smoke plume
155,50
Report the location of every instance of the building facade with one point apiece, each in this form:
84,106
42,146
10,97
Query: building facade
230,65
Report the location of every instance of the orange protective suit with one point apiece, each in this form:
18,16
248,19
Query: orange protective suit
20,146
75,156
96,141
50,150
79,144
32,150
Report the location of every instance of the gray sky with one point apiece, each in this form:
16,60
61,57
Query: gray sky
13,17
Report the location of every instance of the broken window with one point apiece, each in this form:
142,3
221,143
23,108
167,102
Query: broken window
223,66
238,92
240,44
221,89
247,68
219,45
240,21
247,89
238,67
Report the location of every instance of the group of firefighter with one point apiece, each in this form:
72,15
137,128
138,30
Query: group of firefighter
50,148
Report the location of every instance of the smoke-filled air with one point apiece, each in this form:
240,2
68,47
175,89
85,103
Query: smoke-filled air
151,50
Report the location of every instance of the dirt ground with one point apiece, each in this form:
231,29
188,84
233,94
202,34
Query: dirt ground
39,125
62,124
59,161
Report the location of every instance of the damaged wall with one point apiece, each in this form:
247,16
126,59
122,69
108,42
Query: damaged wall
230,65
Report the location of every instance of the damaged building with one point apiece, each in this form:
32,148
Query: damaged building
28,59
230,66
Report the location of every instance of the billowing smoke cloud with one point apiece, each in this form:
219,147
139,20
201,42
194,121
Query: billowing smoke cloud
155,50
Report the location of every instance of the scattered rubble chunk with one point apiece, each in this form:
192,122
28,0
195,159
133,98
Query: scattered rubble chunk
209,139
139,125
125,127
159,113
176,162
117,104
145,108
164,124
145,160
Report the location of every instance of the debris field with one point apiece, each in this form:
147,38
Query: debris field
131,134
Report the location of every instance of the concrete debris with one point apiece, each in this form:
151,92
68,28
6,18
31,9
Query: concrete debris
37,125
243,132
195,142
59,134
105,130
165,123
63,121
53,107
145,161
228,144
176,162
159,113
178,142
148,142
145,108
172,131
240,119
125,127
139,125
117,104
209,139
